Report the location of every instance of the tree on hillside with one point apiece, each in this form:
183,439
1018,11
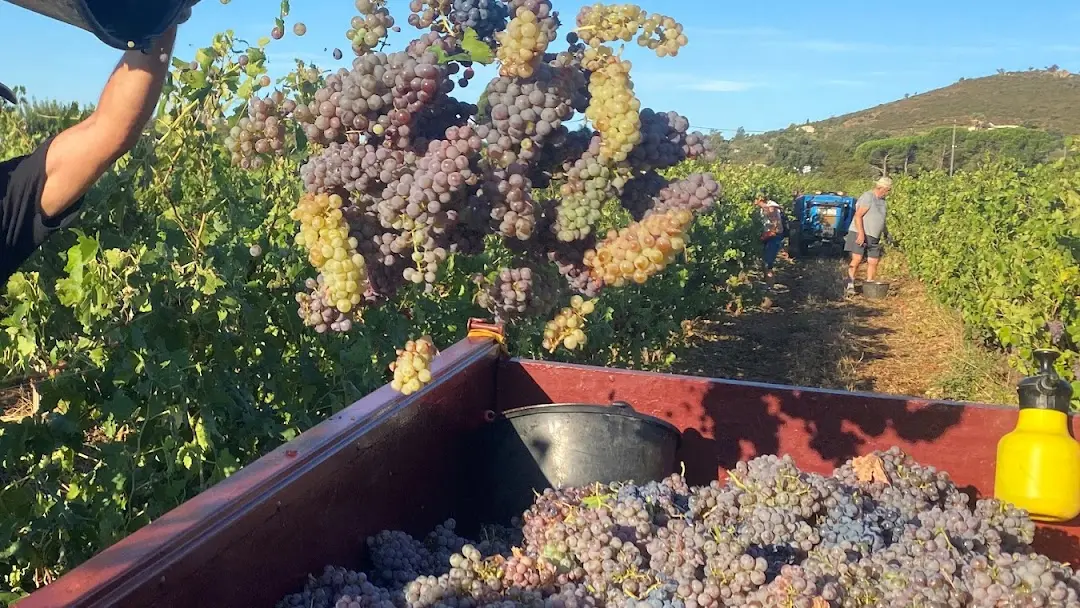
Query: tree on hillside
795,150
931,151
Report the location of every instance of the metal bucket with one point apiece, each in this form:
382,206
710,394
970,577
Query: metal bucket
122,24
874,290
563,445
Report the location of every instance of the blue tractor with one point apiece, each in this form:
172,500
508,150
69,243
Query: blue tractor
821,221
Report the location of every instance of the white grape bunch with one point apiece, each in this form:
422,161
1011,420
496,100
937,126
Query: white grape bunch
603,23
522,45
412,369
324,233
614,109
567,329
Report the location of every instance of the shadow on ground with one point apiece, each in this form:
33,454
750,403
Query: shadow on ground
805,333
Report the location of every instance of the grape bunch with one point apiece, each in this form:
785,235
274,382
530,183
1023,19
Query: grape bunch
354,168
324,233
506,194
263,133
428,13
381,98
589,182
485,17
318,310
614,110
666,141
602,23
522,45
513,294
370,28
640,250
770,536
568,327
412,368
695,193
640,194
420,205
577,275
1056,329
524,113
663,35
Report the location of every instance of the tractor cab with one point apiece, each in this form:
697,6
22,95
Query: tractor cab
821,220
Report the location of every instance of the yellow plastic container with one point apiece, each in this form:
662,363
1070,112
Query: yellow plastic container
1038,463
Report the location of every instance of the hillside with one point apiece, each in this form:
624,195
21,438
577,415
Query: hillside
1037,99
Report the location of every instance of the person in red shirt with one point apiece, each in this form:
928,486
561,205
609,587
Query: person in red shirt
772,235
41,193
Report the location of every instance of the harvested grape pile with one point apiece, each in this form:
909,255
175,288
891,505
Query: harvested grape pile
882,531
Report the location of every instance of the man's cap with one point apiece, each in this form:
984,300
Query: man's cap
6,93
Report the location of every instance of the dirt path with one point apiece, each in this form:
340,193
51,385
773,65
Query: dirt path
808,334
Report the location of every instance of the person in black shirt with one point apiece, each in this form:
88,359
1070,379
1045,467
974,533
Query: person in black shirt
41,193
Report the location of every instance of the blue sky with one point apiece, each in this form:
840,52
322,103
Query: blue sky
756,65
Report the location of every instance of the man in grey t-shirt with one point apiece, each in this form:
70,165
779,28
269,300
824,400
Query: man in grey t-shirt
864,235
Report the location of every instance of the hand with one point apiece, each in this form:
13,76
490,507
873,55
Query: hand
860,239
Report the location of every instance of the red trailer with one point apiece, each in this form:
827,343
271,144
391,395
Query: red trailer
390,461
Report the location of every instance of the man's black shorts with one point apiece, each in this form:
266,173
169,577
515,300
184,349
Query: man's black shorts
872,248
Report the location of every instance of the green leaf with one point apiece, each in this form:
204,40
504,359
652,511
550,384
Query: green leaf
201,436
245,90
442,58
478,50
82,252
25,346
120,406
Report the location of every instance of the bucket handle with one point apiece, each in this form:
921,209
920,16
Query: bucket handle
624,405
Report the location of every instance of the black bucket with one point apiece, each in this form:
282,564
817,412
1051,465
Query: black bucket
564,445
122,24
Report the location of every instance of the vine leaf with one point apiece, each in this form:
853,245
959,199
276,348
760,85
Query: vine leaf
477,49
472,49
869,469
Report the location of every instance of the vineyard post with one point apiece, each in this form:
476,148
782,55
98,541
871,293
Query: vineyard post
952,154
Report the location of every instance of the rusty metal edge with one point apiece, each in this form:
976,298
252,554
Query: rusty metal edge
533,363
146,554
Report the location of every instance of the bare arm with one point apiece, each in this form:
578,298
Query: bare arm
79,156
859,213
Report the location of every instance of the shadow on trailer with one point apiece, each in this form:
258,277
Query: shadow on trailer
407,463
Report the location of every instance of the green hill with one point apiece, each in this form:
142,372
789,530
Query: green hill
914,134
1038,99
